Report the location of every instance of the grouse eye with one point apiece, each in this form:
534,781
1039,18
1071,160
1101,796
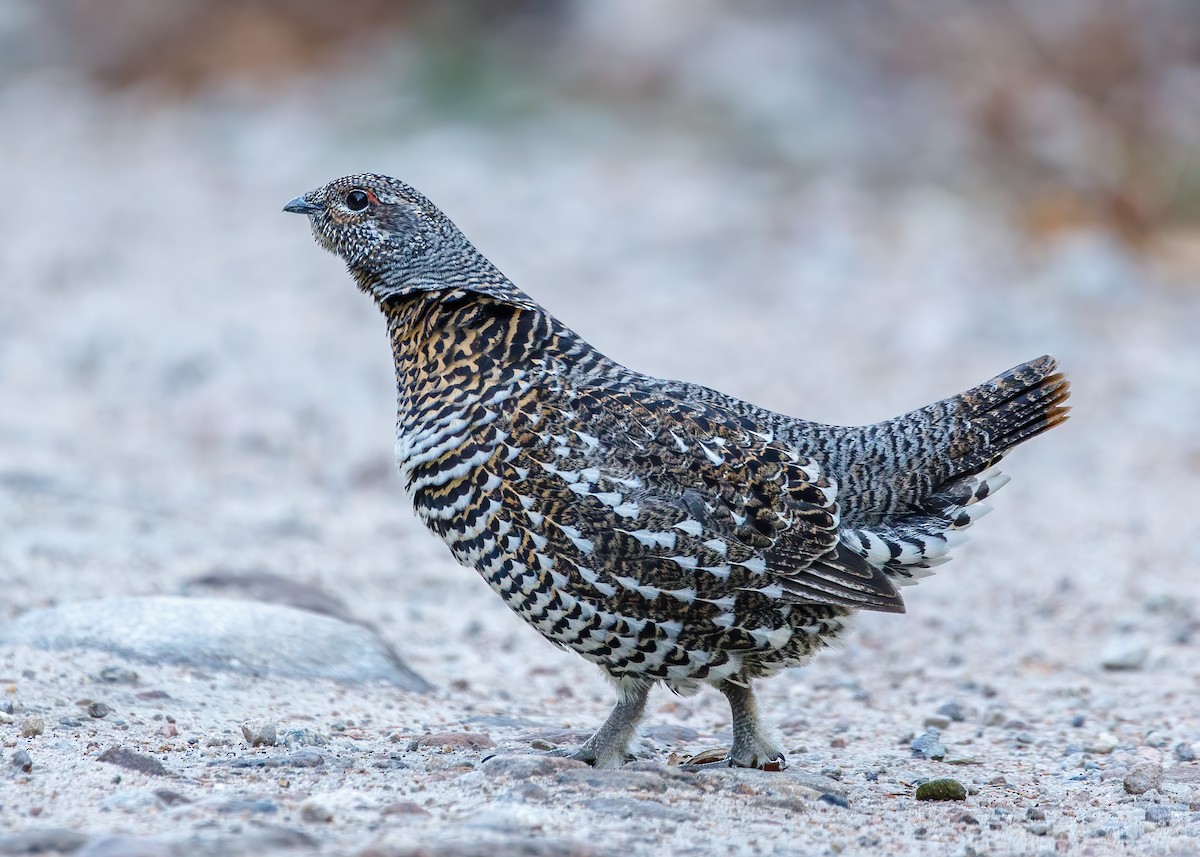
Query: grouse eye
357,200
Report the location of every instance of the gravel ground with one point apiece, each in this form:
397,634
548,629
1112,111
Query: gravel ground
189,387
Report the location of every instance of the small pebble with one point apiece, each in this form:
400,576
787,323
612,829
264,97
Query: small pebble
404,807
1158,814
1105,742
1125,654
305,737
118,675
260,732
98,710
928,746
1024,737
1038,828
315,809
1035,813
834,799
953,710
942,789
1143,777
994,717
1078,720
31,727
5,717
133,761
1185,752
22,761
937,721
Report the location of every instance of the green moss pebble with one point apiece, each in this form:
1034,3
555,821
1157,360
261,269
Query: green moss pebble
943,789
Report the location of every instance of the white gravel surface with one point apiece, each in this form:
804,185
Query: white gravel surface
188,385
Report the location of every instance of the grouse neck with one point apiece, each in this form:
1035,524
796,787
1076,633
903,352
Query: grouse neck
465,269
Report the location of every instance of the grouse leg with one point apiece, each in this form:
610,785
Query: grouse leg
751,746
609,747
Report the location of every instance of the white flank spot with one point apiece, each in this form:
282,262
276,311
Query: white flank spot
539,542
545,562
717,546
679,444
685,562
609,498
687,596
493,482
522,473
671,629
718,571
652,538
590,474
535,518
725,620
627,510
691,527
714,457
526,502
774,640
584,546
772,591
589,441
756,565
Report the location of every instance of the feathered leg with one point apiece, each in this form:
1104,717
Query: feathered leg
609,747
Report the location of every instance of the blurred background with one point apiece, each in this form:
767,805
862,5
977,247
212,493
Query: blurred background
840,210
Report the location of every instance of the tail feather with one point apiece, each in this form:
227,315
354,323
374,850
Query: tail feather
1007,410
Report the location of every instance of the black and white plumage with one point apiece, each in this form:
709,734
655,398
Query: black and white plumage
662,530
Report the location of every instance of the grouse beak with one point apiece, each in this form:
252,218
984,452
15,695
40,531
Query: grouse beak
300,205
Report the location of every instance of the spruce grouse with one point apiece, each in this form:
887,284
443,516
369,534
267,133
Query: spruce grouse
662,530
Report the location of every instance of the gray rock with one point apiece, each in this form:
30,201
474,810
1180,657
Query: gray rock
300,759
126,846
259,733
627,807
305,737
215,634
953,710
1143,777
1122,653
1185,752
21,761
522,767
132,801
521,845
98,710
270,589
118,675
834,799
52,840
31,727
1158,814
619,780
133,761
928,746
254,806
937,721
